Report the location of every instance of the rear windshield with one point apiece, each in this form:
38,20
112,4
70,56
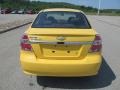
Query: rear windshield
61,19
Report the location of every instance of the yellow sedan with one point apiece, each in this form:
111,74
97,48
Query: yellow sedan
61,42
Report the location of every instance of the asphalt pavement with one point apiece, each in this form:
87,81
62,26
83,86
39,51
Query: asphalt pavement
12,77
8,18
12,21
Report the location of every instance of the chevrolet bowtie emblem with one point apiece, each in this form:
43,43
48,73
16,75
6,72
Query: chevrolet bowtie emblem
61,38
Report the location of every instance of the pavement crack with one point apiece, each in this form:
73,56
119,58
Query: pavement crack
43,87
31,81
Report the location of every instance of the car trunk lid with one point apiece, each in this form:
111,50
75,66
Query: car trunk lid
62,43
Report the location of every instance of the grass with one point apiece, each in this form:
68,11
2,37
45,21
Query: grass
103,14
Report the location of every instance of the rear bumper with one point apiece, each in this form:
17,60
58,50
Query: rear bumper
44,67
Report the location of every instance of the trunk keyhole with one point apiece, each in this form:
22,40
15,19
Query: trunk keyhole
68,51
53,51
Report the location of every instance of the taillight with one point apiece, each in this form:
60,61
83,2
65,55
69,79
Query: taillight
25,43
96,45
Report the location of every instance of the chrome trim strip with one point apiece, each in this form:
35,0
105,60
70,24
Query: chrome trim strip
66,43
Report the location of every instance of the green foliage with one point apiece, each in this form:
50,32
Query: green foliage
37,6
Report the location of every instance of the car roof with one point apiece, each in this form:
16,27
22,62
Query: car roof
62,9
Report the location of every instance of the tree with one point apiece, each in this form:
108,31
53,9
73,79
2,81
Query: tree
1,1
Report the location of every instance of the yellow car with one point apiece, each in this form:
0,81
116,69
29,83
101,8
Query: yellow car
61,42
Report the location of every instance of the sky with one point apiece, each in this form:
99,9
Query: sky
105,4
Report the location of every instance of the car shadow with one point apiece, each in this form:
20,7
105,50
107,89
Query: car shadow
103,79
